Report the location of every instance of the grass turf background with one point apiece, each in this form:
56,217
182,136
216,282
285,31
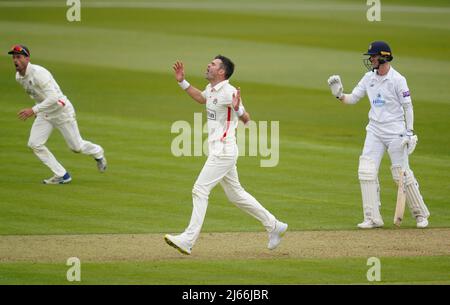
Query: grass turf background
115,66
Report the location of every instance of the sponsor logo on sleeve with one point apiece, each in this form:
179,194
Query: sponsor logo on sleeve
406,94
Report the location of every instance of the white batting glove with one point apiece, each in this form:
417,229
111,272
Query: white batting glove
336,87
410,141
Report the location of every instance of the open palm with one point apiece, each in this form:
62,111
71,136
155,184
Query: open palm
178,68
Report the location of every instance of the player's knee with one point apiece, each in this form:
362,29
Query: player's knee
200,191
34,145
75,147
396,171
409,177
367,169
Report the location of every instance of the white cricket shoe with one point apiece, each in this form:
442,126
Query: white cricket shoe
101,164
370,224
178,243
276,235
422,222
58,180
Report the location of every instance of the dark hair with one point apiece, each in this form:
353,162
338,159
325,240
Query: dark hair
227,64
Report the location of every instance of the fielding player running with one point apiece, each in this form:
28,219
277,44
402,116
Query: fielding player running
224,108
390,127
52,110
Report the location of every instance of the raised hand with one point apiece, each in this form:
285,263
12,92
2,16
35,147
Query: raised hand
178,68
237,99
335,84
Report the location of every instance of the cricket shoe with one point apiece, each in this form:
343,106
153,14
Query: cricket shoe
276,235
370,224
58,180
422,222
101,164
178,243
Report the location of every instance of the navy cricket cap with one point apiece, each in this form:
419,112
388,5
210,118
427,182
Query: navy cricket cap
379,48
19,49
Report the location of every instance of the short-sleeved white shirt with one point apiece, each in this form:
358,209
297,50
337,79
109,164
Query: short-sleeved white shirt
40,85
222,119
386,95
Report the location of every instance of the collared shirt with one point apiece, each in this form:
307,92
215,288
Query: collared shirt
222,119
40,85
386,94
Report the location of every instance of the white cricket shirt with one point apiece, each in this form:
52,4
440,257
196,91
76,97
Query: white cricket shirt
386,95
222,119
40,85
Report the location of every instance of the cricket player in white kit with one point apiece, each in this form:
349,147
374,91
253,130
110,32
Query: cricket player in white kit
390,127
224,109
52,110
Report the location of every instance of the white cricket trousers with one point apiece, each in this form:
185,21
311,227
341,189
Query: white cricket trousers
374,149
222,169
67,125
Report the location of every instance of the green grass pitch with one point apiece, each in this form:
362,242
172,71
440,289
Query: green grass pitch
115,67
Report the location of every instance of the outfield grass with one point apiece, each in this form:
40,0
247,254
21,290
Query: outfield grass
405,270
115,67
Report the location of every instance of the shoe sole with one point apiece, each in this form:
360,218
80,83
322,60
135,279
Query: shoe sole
170,243
368,228
62,182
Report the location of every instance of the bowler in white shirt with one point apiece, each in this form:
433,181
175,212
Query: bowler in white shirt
224,109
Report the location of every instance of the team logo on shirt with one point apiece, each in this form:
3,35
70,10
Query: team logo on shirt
406,94
211,114
215,101
378,101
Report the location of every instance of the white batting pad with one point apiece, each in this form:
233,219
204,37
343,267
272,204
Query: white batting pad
414,199
370,189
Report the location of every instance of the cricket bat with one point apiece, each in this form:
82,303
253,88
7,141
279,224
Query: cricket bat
401,200
401,193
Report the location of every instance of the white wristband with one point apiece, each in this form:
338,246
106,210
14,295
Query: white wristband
240,112
184,84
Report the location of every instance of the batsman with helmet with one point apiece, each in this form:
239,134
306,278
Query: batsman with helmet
390,128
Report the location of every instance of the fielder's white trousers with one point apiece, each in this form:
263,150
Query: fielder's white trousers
67,125
222,169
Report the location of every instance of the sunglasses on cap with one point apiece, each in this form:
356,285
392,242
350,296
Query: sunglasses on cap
18,49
